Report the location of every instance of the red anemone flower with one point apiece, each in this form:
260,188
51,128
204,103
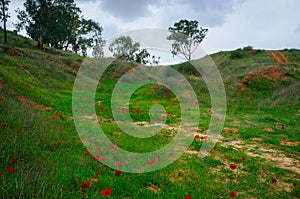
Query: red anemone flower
118,173
15,160
10,169
106,192
233,166
84,185
232,194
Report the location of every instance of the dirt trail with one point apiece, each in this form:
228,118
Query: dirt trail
278,57
278,158
24,99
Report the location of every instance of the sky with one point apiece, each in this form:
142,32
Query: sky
232,24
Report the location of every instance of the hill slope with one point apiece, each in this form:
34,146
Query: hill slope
42,155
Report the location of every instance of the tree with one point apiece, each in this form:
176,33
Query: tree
36,18
59,24
80,39
124,47
187,36
4,16
99,43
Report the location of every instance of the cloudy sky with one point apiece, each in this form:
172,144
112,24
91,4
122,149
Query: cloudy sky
265,24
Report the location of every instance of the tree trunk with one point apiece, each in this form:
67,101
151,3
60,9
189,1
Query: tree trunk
5,31
41,42
4,21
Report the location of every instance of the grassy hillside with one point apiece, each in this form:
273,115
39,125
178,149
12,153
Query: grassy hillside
42,155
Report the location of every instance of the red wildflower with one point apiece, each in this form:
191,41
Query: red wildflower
3,126
158,159
18,131
98,148
118,173
232,194
232,166
151,162
1,99
282,127
87,152
58,143
1,175
215,148
97,157
14,160
84,185
188,197
169,115
10,169
274,180
196,136
97,173
103,159
137,111
106,192
166,94
42,140
295,184
56,113
120,163
243,158
101,107
204,137
112,148
61,115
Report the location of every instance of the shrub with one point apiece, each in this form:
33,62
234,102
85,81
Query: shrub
237,54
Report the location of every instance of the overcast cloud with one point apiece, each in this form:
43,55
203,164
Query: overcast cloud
267,24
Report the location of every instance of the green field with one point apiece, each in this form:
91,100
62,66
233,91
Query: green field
42,156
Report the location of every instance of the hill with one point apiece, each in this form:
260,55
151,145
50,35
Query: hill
42,155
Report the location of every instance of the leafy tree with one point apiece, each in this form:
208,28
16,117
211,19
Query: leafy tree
80,39
187,35
59,24
98,46
125,48
4,16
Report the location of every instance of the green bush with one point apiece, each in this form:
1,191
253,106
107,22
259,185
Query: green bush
237,54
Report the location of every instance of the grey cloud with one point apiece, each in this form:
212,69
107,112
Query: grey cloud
127,10
209,12
212,12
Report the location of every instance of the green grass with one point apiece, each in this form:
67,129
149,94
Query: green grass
45,170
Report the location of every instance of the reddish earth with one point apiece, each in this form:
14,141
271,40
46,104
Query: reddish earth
278,57
273,73
25,100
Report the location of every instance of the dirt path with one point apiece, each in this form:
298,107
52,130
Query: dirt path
278,57
24,99
278,158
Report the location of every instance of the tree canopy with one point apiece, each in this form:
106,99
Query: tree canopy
59,24
125,48
187,35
